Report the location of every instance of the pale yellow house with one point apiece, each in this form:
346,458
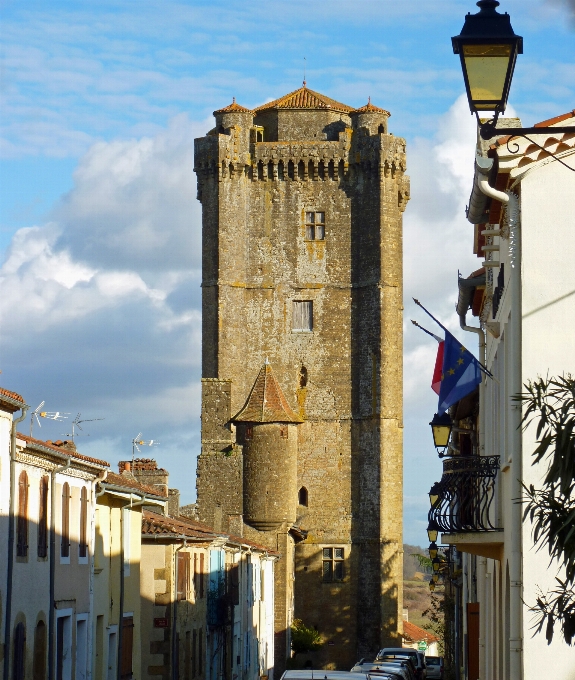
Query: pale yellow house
116,637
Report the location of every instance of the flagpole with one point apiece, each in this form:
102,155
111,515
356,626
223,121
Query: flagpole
418,303
426,331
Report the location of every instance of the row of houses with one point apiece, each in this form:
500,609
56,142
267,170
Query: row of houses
105,579
521,305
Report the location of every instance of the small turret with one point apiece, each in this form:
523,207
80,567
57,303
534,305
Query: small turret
234,116
370,117
267,428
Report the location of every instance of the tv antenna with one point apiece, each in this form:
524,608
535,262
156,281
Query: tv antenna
49,415
76,424
137,442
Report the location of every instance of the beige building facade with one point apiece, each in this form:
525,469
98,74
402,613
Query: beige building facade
302,203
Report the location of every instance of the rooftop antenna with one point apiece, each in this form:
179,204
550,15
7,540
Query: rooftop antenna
137,442
304,69
76,424
49,415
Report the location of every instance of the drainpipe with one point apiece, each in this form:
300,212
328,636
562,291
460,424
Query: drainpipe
51,620
121,615
175,656
516,472
10,570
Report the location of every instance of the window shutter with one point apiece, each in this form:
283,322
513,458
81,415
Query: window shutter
43,519
22,526
194,650
302,315
201,574
83,523
127,650
65,545
183,561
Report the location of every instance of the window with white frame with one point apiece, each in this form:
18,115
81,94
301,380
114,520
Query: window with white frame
302,316
314,226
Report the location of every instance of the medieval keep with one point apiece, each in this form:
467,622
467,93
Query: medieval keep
302,202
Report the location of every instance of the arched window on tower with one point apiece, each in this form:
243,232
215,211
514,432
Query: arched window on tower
22,526
303,376
302,496
381,129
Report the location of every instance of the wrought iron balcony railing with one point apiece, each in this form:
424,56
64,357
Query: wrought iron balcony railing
465,495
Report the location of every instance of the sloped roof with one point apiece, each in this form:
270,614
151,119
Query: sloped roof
154,524
414,633
233,108
266,402
62,447
370,108
11,395
127,481
304,98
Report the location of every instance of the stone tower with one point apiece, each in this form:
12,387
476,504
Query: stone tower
302,203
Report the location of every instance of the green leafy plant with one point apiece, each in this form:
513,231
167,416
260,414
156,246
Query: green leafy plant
435,623
550,403
304,639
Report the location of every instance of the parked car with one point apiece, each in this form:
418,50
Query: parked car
418,658
319,674
435,670
402,668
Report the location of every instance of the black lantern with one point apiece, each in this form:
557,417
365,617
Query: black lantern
434,494
432,530
431,586
435,563
433,550
441,428
488,49
435,578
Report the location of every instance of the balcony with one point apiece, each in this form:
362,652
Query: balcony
465,509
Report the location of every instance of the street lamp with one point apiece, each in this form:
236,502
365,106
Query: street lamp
435,578
435,563
441,429
432,530
488,49
433,550
431,586
434,494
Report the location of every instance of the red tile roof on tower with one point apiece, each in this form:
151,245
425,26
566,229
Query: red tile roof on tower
266,402
370,108
304,98
233,108
414,633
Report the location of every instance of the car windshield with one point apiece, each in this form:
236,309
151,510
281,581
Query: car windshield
433,661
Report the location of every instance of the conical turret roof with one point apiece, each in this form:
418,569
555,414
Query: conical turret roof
266,402
370,108
234,107
304,98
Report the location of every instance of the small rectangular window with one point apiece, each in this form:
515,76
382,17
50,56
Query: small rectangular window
315,226
302,316
333,564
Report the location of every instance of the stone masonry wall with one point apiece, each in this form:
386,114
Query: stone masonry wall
257,263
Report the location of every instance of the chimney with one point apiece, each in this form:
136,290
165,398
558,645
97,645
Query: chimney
173,502
146,471
125,466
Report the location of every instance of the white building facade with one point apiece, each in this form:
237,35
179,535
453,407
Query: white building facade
522,206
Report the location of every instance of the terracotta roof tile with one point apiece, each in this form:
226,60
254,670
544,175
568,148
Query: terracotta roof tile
12,395
304,98
415,633
557,119
370,108
233,108
155,524
62,448
266,402
127,480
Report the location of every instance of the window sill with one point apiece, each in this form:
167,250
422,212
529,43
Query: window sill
297,330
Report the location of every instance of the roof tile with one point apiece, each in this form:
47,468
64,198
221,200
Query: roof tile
304,98
266,402
127,480
63,448
415,633
233,108
12,395
370,108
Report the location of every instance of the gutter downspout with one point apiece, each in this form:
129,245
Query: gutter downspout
516,443
175,657
51,626
10,570
122,575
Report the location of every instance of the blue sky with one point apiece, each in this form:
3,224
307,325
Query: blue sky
99,226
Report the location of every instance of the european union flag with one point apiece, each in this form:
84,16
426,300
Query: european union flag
460,375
